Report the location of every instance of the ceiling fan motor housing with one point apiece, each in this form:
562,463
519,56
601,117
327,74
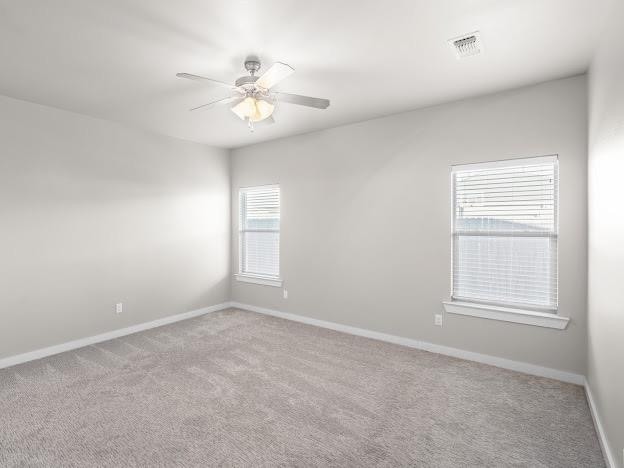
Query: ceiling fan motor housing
246,80
252,65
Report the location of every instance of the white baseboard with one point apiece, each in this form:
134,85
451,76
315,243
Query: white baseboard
426,346
423,345
60,348
602,437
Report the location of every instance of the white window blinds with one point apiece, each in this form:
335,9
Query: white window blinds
505,233
259,231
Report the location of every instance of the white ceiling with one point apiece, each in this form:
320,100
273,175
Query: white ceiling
117,59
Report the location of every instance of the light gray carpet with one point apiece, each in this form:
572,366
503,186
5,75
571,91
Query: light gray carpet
236,388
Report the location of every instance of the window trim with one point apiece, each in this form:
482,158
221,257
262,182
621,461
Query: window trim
503,312
241,276
506,314
257,279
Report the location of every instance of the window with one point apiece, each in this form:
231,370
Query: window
505,233
259,235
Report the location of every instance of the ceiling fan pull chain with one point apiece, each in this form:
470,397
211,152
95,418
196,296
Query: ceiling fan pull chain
250,125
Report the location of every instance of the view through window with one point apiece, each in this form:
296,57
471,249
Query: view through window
505,233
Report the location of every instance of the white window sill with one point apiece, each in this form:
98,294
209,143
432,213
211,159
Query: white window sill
506,314
264,280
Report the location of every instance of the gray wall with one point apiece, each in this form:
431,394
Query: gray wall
366,218
606,233
93,213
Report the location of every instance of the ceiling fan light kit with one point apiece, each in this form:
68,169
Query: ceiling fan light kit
252,98
253,109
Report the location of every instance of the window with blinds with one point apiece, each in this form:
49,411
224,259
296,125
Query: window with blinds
505,233
259,231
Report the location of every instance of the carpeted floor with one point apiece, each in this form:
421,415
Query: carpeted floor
236,388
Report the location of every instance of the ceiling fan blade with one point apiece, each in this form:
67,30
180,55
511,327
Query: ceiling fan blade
274,75
226,100
303,100
189,76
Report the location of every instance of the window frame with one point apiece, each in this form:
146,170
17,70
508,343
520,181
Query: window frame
517,313
246,277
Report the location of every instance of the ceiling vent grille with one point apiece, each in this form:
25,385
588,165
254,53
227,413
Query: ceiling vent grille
467,45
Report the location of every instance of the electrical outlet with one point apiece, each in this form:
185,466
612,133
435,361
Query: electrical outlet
438,320
119,307
285,294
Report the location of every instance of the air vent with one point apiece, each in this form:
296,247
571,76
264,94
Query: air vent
467,45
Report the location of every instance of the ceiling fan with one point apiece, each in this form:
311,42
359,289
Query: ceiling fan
251,97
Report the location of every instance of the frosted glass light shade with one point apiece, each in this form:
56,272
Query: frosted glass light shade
253,109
